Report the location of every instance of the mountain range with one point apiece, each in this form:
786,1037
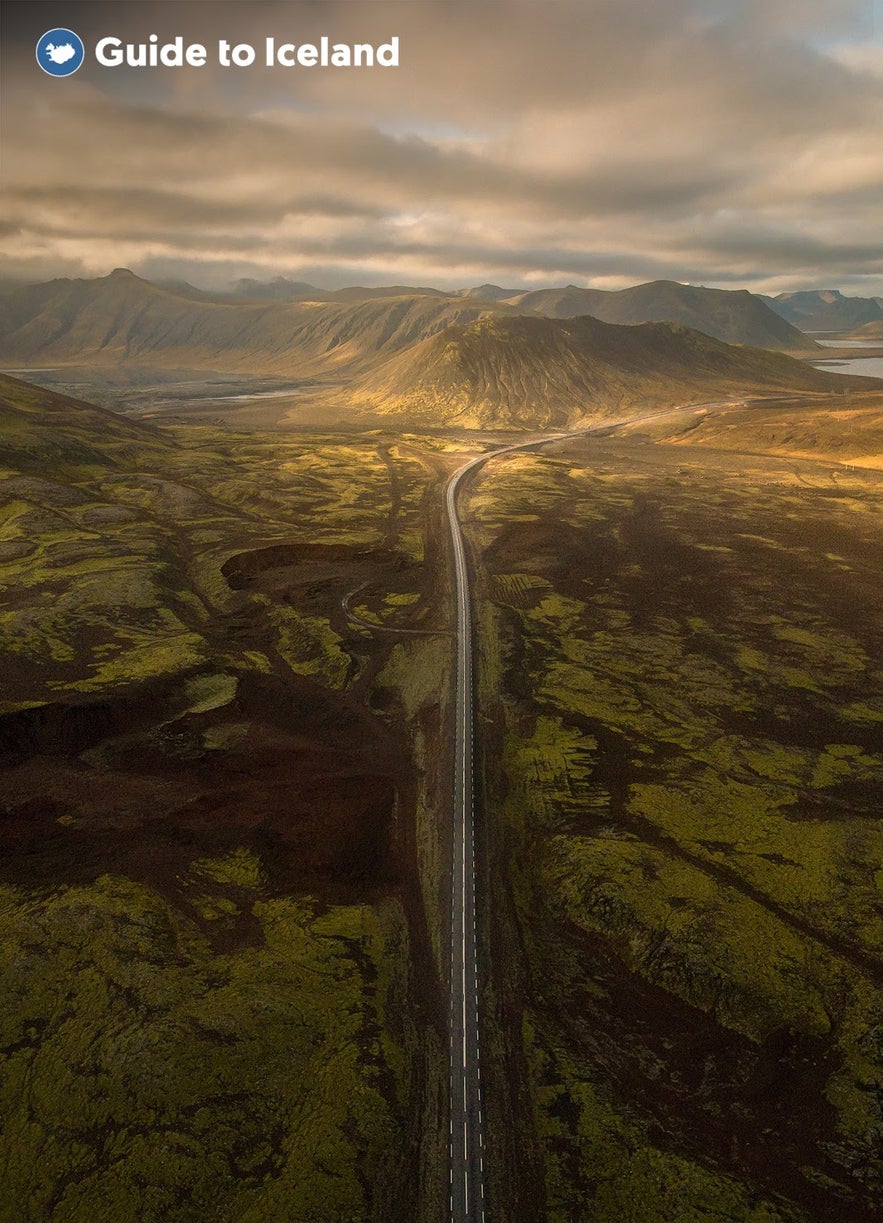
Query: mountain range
122,318
826,310
472,359
291,328
734,316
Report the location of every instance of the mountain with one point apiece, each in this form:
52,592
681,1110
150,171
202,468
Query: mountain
278,289
735,316
281,289
491,293
826,310
536,372
366,293
123,319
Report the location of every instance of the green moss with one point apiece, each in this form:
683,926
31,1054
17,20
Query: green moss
203,693
144,659
146,1075
842,761
309,646
603,1166
407,599
142,542
664,792
241,868
681,929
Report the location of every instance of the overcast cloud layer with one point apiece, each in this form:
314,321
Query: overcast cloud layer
725,142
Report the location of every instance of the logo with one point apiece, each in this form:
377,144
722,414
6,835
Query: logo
60,52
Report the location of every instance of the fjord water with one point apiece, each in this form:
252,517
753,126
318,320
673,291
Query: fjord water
869,367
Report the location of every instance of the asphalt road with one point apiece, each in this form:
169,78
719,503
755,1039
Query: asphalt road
467,1195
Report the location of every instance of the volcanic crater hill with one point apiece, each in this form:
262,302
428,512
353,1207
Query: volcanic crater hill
122,318
734,316
537,373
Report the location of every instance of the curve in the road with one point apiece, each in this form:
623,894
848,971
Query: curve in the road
467,1192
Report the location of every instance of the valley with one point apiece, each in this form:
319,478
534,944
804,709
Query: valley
230,696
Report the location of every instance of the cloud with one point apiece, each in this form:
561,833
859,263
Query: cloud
605,140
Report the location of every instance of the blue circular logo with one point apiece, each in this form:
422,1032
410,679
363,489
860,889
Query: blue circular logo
60,52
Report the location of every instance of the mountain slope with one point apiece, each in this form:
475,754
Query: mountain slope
45,432
280,288
536,373
490,292
121,318
868,331
734,316
825,310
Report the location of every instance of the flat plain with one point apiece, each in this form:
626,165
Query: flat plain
683,713
225,750
218,998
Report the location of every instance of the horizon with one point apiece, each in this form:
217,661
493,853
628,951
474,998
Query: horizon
600,144
231,286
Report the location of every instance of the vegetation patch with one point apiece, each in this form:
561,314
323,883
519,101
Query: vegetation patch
689,791
146,1077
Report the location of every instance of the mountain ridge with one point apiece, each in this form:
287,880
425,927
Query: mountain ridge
122,318
732,315
826,309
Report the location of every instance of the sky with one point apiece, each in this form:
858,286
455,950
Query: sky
732,143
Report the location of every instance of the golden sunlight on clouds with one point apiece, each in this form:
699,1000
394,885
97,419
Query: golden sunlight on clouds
594,140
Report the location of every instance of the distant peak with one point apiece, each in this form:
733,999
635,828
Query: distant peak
121,273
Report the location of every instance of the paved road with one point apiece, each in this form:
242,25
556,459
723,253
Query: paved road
467,1185
467,1196
466,1151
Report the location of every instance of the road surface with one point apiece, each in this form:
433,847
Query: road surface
467,1185
466,1149
467,1194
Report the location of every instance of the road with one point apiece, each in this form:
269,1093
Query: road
467,1184
467,1196
466,1148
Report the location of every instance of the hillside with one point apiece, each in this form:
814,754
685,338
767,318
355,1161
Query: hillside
280,288
47,433
122,318
490,292
734,316
869,331
294,330
536,373
826,310
848,434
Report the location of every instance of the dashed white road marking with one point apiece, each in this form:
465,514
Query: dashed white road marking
465,1168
